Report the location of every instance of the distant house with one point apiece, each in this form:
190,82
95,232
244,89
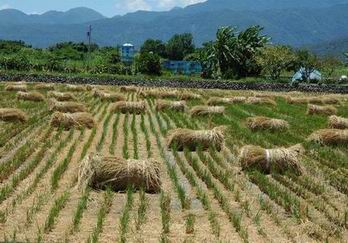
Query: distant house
127,53
183,67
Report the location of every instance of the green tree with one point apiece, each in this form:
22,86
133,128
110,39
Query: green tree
329,64
179,46
148,63
275,59
154,46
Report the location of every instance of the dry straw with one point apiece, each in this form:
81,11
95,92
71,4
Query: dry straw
260,101
61,96
190,96
100,172
128,89
269,160
156,93
296,100
266,123
75,88
170,105
12,115
112,97
321,110
338,122
207,110
72,120
130,107
329,137
226,101
66,107
192,139
89,87
44,86
30,96
16,87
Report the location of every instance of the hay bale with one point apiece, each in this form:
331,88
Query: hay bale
226,101
321,110
44,86
12,115
159,94
260,101
329,137
190,96
101,172
130,107
89,87
266,123
170,105
72,120
128,88
75,88
192,139
207,110
269,160
330,100
30,96
61,96
296,100
66,107
112,97
337,122
316,100
16,87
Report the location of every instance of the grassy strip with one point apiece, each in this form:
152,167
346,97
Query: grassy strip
124,221
114,134
165,201
104,133
142,210
125,151
135,137
147,137
58,205
81,207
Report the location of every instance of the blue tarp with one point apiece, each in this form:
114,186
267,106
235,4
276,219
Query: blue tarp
301,74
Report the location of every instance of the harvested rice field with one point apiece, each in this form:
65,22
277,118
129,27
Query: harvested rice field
218,166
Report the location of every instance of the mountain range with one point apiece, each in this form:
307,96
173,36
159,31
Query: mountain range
291,22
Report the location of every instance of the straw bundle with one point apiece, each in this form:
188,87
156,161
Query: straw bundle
268,160
190,96
260,101
296,100
130,107
61,96
330,100
170,105
44,86
66,107
75,88
192,139
128,89
100,172
89,87
207,110
338,122
113,97
316,100
324,110
12,115
16,87
70,120
329,136
159,93
265,123
226,101
30,96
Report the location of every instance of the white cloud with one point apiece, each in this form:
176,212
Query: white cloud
5,6
124,6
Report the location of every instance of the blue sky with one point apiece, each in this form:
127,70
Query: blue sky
106,7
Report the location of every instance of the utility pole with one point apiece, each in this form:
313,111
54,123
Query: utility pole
89,37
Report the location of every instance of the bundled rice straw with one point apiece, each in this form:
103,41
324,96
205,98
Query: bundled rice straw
338,122
130,107
75,88
100,172
66,107
16,87
113,97
170,105
44,86
324,110
12,115
30,96
70,120
226,101
159,94
265,123
329,136
190,96
192,139
330,100
89,87
269,160
316,100
207,110
61,96
258,100
128,89
296,100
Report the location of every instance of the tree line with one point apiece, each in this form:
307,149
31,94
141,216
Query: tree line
232,55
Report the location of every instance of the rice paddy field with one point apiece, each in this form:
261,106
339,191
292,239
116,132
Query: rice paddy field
205,194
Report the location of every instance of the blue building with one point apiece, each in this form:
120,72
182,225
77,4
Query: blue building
127,53
183,67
